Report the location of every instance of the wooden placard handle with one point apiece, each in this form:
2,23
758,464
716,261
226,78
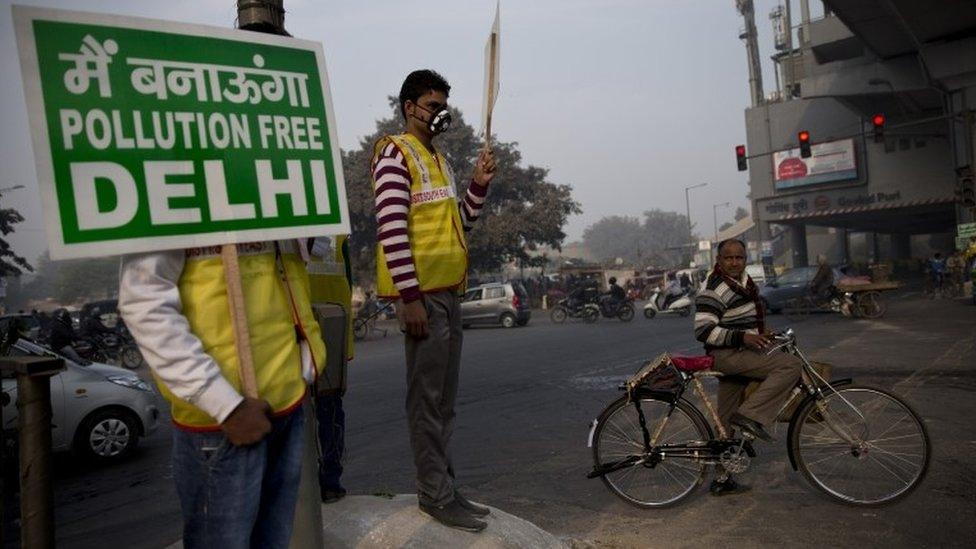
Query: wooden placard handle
238,317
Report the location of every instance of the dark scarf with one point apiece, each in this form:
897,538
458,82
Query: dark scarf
750,291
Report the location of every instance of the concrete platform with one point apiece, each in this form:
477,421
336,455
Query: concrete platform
381,522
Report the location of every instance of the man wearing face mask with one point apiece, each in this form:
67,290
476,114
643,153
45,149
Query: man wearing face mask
422,261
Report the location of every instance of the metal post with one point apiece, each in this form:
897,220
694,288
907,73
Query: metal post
715,217
268,16
34,425
688,205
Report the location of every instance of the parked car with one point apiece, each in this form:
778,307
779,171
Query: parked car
27,324
499,303
99,411
792,284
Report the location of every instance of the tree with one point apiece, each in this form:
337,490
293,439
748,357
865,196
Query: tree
523,211
741,213
669,234
75,280
658,240
11,264
616,236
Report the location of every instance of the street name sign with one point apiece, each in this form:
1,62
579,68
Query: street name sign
153,135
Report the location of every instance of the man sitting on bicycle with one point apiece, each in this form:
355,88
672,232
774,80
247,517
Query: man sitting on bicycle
729,320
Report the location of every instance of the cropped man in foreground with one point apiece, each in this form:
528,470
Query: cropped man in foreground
236,460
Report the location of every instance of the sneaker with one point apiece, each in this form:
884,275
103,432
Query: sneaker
726,487
751,427
453,515
473,508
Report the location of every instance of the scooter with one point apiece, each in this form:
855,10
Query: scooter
682,305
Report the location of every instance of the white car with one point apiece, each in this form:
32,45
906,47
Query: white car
99,411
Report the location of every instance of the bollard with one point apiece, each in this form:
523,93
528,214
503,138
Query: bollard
34,426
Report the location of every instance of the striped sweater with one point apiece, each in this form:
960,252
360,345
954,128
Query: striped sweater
391,185
724,313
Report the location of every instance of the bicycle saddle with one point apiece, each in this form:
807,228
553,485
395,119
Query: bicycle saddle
692,363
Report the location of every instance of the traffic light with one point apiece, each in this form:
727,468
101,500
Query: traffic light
740,157
965,188
804,137
878,121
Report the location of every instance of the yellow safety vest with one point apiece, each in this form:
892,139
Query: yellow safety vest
440,254
278,308
331,281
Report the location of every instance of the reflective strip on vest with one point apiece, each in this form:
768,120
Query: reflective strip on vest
434,227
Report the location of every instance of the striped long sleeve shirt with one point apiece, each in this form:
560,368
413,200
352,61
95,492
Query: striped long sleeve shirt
723,314
391,185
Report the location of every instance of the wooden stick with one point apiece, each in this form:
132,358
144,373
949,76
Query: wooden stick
238,317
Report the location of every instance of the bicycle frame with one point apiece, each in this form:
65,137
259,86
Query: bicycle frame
811,383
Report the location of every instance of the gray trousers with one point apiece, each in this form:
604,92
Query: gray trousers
433,365
778,372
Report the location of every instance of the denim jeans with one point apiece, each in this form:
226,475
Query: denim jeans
238,497
331,434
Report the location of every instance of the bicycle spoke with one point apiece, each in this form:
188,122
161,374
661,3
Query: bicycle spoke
870,467
671,477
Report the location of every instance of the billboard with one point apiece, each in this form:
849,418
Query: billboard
152,135
830,161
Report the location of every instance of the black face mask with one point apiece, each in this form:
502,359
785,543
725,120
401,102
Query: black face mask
440,120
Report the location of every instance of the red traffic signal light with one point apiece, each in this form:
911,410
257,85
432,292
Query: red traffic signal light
878,121
740,157
804,137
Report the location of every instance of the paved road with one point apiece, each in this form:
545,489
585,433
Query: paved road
527,397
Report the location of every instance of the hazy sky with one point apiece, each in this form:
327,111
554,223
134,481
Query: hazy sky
627,101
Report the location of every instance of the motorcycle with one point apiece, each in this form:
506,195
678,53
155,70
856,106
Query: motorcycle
587,310
611,308
655,305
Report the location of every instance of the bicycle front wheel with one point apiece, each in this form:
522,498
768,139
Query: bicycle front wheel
672,470
861,445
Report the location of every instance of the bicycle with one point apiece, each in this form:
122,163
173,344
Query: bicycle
857,444
365,320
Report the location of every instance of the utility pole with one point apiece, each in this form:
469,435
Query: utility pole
715,217
691,237
750,36
268,16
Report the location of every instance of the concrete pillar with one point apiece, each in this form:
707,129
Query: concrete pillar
843,240
798,243
901,246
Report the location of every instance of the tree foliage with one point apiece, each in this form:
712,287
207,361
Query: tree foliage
655,240
75,280
523,211
11,264
741,213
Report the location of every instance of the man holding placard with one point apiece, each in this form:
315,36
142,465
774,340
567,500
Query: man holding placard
422,262
203,153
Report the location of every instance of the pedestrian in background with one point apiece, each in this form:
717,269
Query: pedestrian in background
422,262
956,268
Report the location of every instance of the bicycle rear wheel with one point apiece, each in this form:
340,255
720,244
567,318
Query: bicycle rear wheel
872,456
650,482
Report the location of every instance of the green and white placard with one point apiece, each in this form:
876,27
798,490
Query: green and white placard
152,135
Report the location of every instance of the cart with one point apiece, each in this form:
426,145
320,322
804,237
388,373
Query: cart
866,298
